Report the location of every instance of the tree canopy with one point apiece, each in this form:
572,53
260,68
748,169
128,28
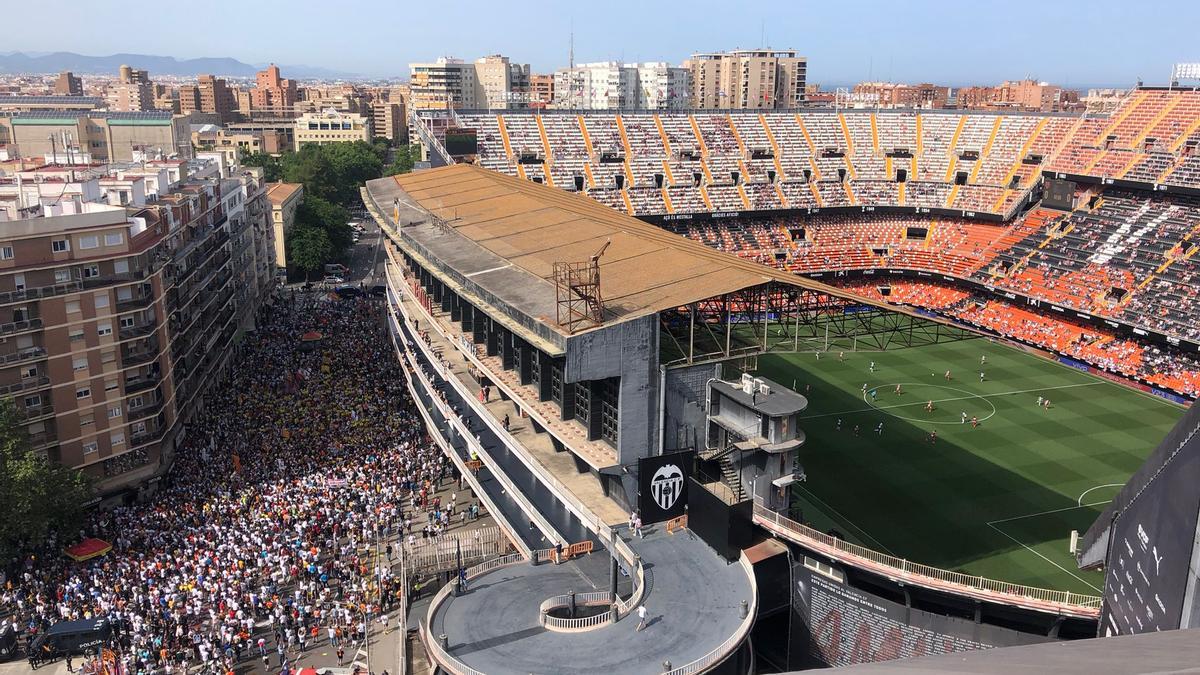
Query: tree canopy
308,249
39,496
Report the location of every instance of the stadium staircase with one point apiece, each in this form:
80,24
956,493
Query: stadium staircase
779,175
729,476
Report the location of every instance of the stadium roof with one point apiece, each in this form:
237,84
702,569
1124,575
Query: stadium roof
511,231
51,100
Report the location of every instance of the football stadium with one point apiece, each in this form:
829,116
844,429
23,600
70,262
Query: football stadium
913,370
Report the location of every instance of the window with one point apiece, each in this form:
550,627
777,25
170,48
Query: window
87,420
101,300
117,439
62,275
108,356
91,271
127,322
72,307
90,241
76,334
29,372
83,392
33,401
19,281
139,428
124,294
121,266
6,253
90,448
110,385
79,363
114,412
60,246
104,329
113,239
136,402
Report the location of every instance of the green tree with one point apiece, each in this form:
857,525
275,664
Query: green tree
308,249
272,169
39,496
324,215
405,158
311,167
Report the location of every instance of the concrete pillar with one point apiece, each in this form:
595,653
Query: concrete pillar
466,314
527,355
479,324
455,307
447,297
506,349
545,365
594,416
493,338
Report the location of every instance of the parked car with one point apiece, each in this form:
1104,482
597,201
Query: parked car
334,279
379,290
345,292
8,642
336,269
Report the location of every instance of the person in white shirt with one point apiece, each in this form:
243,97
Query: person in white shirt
641,617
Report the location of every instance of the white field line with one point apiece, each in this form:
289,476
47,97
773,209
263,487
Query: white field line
1081,496
992,524
948,400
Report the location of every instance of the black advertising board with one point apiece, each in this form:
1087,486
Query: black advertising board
844,626
1152,540
662,485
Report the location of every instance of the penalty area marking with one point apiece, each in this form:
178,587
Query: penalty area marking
992,524
1084,493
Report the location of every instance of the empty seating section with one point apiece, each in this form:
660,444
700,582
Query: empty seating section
794,152
981,163
568,151
1150,137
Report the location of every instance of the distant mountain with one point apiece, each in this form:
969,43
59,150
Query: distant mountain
80,64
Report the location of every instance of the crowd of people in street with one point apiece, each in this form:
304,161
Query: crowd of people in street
271,534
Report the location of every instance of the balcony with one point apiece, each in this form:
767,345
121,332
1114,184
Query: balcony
14,327
25,385
139,302
43,438
141,385
148,410
148,436
29,414
41,292
110,279
27,354
134,357
137,331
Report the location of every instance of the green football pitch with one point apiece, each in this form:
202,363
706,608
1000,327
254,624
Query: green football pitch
999,500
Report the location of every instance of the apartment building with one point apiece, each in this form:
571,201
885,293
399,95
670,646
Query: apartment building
209,95
492,82
896,95
611,85
272,93
1030,95
332,126
118,305
541,91
103,136
26,103
131,96
748,78
447,83
501,84
68,84
389,121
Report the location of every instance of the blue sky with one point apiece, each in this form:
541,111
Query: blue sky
1071,43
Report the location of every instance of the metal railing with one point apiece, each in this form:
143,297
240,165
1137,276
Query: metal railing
593,598
25,384
24,355
20,326
723,650
924,575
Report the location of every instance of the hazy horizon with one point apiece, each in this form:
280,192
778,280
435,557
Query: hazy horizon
935,41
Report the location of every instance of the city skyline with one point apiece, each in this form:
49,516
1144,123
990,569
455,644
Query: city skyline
934,42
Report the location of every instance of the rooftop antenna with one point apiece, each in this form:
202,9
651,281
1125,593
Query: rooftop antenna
571,46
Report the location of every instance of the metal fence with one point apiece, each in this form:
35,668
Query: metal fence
860,556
